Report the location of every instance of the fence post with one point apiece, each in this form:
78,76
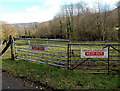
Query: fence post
68,57
108,58
12,49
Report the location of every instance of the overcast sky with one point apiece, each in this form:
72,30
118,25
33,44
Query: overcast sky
24,11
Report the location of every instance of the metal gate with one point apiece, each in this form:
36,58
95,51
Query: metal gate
104,65
46,51
61,53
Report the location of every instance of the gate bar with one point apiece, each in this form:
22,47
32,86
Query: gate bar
68,57
108,58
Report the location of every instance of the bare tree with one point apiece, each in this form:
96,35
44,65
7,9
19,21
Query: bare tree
8,30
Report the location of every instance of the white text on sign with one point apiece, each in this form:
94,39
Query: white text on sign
38,47
94,53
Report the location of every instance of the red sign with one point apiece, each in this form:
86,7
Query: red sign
38,47
94,53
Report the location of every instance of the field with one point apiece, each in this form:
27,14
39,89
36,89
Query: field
58,52
56,77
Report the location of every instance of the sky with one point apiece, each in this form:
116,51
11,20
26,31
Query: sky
25,11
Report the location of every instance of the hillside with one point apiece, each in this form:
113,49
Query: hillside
79,23
25,24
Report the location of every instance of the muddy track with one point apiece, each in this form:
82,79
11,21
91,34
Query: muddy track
10,81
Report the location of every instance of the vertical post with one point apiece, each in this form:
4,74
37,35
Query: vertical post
68,57
29,48
46,45
15,52
47,41
70,41
12,50
108,57
29,42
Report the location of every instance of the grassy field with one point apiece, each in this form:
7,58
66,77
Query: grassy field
57,51
59,78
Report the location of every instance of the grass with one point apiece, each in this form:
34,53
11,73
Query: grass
60,78
60,56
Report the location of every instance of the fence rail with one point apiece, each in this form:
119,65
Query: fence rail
62,40
55,54
62,53
106,64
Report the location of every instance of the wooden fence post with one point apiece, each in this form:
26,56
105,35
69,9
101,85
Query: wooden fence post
12,49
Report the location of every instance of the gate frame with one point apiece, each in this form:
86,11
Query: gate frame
69,52
59,40
106,46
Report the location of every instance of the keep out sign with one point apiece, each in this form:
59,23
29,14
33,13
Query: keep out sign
38,47
94,53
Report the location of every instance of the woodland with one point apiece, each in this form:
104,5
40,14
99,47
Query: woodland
74,21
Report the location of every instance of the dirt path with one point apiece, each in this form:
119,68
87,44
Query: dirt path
12,82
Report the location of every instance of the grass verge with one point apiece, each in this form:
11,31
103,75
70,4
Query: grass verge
60,78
